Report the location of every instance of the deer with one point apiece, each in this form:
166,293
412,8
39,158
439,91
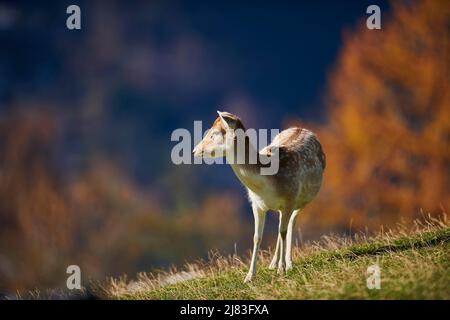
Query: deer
301,164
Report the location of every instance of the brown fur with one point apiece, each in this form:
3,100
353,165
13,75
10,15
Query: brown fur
301,163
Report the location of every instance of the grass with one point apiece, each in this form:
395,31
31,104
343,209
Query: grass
414,263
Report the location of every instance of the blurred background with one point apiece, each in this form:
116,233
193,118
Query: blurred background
86,117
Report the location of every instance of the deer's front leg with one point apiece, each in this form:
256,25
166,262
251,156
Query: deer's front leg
260,218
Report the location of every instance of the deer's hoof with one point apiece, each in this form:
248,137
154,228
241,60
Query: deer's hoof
249,277
281,269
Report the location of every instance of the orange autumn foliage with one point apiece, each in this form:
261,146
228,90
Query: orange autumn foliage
387,137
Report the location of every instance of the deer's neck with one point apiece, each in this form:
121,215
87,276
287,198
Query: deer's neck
247,167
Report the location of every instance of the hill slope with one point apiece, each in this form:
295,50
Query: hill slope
414,264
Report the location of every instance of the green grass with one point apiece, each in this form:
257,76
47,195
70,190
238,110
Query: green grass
414,264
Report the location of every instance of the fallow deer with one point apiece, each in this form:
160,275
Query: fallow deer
295,184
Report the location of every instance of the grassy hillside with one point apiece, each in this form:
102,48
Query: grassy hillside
415,264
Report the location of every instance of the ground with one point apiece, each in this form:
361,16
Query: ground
414,264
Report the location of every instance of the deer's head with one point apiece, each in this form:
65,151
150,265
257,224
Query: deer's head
218,140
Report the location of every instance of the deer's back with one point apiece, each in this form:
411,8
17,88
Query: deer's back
301,165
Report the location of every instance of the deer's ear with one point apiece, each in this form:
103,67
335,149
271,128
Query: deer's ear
224,120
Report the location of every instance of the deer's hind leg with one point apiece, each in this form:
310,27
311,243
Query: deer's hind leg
276,255
282,232
290,232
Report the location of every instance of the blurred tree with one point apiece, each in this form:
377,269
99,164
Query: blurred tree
387,138
35,224
99,219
